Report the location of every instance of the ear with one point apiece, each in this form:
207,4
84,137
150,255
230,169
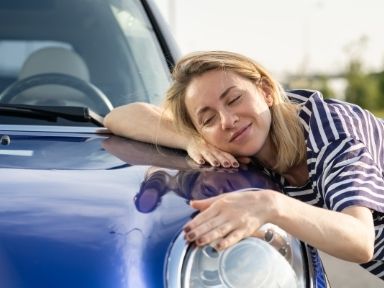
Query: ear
268,99
267,91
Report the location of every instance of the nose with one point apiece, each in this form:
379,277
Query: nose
228,119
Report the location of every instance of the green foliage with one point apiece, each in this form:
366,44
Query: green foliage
324,88
362,89
380,86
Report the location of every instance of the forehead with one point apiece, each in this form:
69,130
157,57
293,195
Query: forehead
205,90
213,82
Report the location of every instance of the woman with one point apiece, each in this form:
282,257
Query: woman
326,155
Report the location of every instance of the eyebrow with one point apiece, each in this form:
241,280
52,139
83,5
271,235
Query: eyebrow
222,95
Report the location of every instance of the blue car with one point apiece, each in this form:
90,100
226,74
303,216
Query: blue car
81,208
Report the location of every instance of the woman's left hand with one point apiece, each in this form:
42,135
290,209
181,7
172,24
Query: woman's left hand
226,219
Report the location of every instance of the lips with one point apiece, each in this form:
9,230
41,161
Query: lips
239,132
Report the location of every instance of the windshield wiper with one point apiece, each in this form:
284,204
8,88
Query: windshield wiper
51,113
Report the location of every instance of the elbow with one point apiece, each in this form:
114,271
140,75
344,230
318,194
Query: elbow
368,247
109,122
365,255
121,120
114,119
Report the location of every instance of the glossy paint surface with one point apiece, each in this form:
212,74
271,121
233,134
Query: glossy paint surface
79,228
76,212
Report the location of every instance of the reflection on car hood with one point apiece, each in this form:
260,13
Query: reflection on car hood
56,151
81,229
81,214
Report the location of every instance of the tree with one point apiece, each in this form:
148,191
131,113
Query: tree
362,88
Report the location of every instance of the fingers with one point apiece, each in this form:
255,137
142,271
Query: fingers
203,204
202,152
213,231
218,232
210,225
210,231
197,157
230,239
226,219
201,218
214,157
221,158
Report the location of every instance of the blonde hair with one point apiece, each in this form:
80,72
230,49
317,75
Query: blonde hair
286,132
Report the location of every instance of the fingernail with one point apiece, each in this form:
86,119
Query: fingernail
235,164
201,161
187,229
191,236
216,163
219,246
226,164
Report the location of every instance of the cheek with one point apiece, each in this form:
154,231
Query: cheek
268,119
260,107
212,136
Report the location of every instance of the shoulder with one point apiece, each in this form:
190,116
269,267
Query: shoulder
316,117
327,120
301,96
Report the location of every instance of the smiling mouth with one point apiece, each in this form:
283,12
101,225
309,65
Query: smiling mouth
239,133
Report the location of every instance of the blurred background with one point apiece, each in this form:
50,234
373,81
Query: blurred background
335,46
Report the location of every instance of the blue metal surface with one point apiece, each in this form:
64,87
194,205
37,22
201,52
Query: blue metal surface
97,210
320,278
79,228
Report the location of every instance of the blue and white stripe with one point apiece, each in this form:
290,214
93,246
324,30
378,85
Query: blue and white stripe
345,157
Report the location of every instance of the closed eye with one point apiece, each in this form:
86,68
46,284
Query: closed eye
234,100
208,120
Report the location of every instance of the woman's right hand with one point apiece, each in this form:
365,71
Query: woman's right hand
202,152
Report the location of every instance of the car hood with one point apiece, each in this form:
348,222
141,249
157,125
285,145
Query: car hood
79,210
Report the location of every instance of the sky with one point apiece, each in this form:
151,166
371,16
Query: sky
285,36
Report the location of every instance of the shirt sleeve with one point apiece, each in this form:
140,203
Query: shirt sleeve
347,176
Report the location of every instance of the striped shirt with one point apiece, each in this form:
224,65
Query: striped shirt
345,158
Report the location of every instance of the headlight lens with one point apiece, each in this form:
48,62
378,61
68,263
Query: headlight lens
271,260
250,263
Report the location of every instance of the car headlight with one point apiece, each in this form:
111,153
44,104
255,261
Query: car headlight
273,259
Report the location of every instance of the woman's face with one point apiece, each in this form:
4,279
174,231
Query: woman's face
230,112
214,183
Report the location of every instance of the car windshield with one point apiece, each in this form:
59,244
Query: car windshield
96,54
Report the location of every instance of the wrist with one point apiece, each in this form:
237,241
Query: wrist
272,202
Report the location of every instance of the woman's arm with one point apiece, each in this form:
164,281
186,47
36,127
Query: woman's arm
348,234
226,219
148,123
145,122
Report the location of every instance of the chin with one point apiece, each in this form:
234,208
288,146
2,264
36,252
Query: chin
249,150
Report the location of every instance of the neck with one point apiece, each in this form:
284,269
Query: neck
298,175
267,155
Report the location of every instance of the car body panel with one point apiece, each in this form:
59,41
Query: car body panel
80,227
